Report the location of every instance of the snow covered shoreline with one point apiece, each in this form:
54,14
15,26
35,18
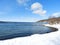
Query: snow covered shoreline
52,38
54,26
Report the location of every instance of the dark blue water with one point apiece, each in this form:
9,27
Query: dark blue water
21,29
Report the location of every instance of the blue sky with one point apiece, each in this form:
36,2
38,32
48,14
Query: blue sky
28,10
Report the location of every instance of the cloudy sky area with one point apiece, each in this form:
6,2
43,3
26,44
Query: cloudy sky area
28,10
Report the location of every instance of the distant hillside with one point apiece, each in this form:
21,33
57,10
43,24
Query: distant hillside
2,22
53,20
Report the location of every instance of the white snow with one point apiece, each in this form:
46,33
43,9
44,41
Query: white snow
36,39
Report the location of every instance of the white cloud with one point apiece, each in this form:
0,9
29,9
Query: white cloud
37,8
57,14
39,12
23,2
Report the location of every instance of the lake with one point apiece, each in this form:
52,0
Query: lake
10,30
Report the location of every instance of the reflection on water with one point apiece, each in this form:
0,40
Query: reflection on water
21,29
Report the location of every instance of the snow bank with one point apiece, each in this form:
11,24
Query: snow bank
55,25
36,39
